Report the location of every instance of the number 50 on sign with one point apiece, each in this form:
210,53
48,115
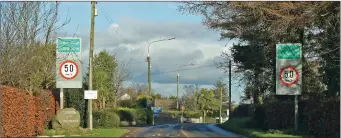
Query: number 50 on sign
68,69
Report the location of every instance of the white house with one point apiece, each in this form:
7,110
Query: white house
125,97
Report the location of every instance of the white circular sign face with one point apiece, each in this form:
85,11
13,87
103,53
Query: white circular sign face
289,76
68,69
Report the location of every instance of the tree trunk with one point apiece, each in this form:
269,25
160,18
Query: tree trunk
103,102
100,104
204,118
255,95
115,101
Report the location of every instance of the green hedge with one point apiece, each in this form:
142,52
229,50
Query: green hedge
149,115
242,110
322,117
105,119
318,117
130,115
189,114
192,114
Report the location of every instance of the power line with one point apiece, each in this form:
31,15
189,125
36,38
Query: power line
106,15
158,73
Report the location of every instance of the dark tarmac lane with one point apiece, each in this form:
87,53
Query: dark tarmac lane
174,130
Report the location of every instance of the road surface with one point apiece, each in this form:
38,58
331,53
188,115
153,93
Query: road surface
178,130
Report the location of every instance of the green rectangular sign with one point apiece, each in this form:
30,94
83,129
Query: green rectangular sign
68,45
69,49
288,59
288,51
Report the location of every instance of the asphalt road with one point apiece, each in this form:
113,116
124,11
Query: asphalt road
174,130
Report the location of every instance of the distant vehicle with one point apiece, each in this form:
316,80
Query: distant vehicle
187,120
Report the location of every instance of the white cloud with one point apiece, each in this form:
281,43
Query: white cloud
193,44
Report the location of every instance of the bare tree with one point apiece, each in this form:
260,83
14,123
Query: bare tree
26,52
121,75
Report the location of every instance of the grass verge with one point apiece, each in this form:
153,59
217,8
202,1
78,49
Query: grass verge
243,126
114,132
110,132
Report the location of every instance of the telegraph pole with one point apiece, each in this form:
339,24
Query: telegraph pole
177,91
92,33
149,81
230,88
221,104
149,87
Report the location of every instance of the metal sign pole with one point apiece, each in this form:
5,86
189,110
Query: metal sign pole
61,95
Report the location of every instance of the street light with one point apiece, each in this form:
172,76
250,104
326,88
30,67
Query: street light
159,41
148,60
178,80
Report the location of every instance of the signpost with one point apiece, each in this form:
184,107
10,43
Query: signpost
68,65
289,72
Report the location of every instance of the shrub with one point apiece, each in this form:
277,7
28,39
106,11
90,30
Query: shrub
124,123
126,103
149,115
319,117
174,114
23,114
323,117
130,115
126,115
192,114
279,114
241,111
259,116
105,119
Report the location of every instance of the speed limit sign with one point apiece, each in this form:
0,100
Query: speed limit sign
68,70
289,76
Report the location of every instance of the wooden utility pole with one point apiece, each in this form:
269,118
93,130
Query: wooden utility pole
177,91
221,104
92,34
230,88
149,81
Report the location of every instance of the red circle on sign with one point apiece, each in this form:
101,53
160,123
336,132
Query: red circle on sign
60,69
291,83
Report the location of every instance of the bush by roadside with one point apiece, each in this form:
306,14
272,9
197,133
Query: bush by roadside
105,119
23,114
318,117
173,113
138,115
192,114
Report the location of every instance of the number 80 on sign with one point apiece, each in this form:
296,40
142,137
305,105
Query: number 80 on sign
68,69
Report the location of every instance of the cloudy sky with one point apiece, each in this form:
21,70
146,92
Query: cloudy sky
126,28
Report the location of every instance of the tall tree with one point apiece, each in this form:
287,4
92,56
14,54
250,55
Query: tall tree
104,68
188,99
26,33
260,25
206,101
121,75
221,85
